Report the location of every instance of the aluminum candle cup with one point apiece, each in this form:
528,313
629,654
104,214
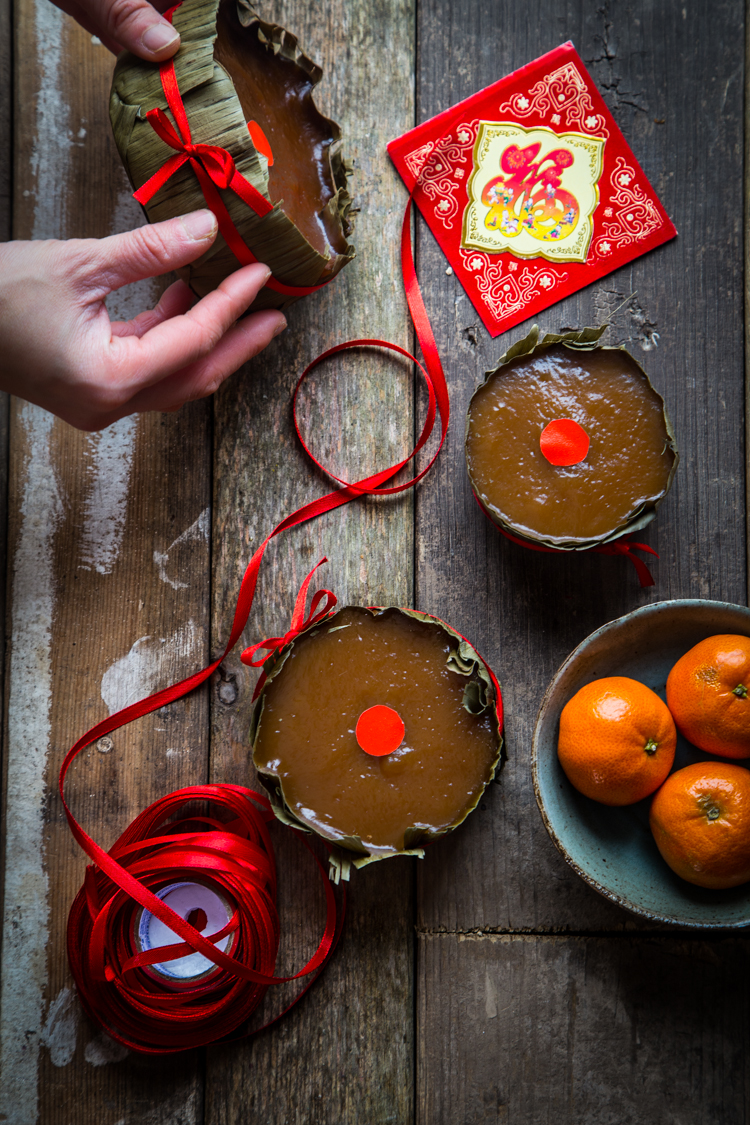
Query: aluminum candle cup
377,729
247,88
567,443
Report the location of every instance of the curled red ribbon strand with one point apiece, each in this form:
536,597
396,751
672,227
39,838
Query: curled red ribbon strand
214,168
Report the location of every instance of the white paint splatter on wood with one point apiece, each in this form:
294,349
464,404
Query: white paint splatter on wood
26,920
490,997
148,666
169,1113
49,157
61,1027
172,559
102,1051
111,460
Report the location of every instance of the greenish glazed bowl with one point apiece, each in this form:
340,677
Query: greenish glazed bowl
612,849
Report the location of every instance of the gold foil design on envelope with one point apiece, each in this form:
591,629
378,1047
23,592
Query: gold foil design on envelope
532,192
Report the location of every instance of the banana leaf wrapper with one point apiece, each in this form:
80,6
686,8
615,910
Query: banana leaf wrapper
581,340
479,696
216,116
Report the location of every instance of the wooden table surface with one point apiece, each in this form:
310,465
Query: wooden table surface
486,983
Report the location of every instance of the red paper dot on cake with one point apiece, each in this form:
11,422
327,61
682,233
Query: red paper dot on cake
564,442
380,730
260,140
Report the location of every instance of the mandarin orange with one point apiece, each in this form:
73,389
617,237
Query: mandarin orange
617,740
700,819
707,693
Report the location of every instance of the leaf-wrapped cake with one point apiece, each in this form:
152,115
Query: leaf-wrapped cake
246,88
379,730
568,445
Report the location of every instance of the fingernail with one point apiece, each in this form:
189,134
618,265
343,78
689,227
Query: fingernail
279,328
159,36
266,275
199,225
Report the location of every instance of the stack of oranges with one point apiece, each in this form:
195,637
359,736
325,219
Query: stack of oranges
617,745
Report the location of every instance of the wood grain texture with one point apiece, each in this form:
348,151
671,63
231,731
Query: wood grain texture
346,1053
596,1031
6,223
6,118
109,600
677,95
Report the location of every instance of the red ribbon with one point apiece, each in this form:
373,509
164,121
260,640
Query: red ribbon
619,547
215,834
214,168
299,624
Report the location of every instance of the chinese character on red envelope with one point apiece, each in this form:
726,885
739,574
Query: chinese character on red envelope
531,189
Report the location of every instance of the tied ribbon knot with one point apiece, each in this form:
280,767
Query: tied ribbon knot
298,624
211,160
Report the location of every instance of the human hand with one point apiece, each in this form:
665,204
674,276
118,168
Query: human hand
59,349
127,25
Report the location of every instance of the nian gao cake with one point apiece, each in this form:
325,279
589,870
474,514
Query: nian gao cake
567,443
379,730
247,88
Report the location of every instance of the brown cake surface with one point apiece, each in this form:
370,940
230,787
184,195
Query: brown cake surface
306,734
277,93
630,457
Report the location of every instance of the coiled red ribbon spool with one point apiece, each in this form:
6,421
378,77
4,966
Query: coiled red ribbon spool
215,834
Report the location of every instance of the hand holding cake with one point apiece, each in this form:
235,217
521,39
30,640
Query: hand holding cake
61,351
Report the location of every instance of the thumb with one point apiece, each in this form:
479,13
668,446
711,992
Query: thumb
137,26
152,250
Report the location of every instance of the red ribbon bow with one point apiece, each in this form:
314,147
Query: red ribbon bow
298,625
208,161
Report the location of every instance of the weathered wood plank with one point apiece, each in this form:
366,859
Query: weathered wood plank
6,221
109,600
6,119
596,1031
526,611
346,1053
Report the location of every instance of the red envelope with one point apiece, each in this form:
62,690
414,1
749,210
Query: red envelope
531,189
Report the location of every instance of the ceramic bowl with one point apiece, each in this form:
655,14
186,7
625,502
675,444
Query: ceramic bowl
612,848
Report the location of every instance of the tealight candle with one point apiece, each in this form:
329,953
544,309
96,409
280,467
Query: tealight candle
569,446
205,909
378,730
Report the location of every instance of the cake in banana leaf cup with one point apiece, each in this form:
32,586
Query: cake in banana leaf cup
369,792
568,445
247,88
